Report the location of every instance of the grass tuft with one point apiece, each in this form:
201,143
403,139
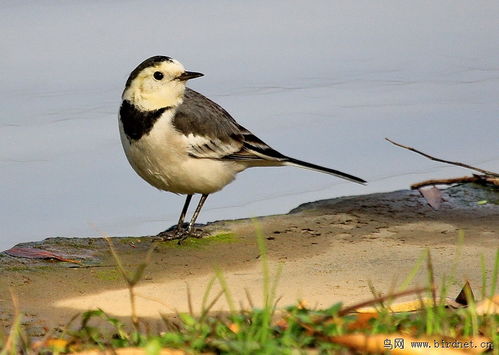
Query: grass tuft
294,329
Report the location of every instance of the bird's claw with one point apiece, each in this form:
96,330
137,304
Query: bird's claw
180,234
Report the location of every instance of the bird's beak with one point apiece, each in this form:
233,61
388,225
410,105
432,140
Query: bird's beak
188,75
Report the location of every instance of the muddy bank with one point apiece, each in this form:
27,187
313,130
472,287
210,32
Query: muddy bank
328,251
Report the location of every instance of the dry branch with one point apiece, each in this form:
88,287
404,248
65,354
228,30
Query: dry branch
445,181
486,172
381,299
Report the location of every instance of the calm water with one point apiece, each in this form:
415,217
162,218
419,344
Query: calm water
323,81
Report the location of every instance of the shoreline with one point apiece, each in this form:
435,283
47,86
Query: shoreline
328,250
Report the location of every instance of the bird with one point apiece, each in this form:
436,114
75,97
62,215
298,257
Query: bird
180,141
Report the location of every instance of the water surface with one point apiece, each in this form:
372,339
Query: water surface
323,81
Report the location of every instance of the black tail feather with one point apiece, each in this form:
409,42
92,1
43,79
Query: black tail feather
322,169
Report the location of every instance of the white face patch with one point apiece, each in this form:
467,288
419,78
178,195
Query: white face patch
150,92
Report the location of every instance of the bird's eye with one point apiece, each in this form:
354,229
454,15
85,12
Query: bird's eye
158,75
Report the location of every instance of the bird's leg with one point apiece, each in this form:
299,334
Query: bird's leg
179,230
189,232
180,224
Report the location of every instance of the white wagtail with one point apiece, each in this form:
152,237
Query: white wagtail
180,141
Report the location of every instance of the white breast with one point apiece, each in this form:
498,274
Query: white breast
161,158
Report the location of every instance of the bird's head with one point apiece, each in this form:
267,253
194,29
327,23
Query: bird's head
157,82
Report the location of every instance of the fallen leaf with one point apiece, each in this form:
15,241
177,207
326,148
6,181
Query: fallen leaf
282,323
433,196
56,344
130,351
422,302
362,321
35,253
488,306
466,292
413,305
302,304
234,327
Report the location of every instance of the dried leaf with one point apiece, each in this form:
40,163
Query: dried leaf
422,302
56,344
488,306
414,305
362,321
282,323
466,292
234,327
130,351
302,304
35,253
363,306
433,196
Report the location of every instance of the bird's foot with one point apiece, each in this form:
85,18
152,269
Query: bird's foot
181,234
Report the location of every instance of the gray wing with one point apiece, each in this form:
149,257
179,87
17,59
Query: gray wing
213,133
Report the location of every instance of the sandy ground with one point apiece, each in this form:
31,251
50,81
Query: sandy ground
328,251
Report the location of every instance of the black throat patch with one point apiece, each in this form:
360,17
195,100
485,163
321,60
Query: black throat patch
138,123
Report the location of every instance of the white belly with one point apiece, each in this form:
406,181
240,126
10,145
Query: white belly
161,159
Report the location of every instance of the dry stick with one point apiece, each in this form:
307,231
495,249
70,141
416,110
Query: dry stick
381,299
376,300
486,172
446,181
464,179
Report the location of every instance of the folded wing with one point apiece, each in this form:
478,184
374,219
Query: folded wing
212,133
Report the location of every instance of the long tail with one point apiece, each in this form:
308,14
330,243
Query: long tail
305,165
